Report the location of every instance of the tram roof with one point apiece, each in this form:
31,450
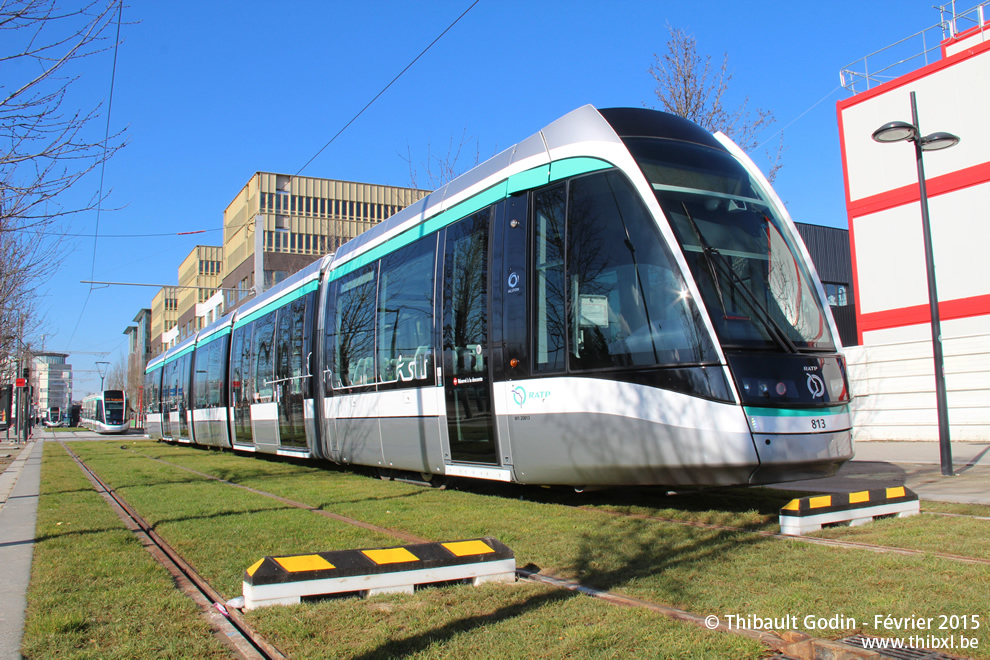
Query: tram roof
584,124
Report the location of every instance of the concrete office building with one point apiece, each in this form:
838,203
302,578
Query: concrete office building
164,320
138,354
52,381
279,223
199,276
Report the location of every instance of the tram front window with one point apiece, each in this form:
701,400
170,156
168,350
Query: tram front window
114,404
756,287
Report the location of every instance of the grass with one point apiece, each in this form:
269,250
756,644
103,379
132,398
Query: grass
95,591
222,530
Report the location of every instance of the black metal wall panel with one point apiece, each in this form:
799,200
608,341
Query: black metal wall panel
829,250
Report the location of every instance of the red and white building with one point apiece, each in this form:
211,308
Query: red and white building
892,370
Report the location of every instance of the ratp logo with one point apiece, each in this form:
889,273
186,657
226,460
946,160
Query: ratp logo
816,386
519,395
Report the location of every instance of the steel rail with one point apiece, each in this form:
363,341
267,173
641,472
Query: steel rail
228,623
854,545
771,639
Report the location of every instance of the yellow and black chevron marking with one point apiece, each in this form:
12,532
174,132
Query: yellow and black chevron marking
812,506
373,561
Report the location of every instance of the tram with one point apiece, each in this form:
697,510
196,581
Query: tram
620,299
105,412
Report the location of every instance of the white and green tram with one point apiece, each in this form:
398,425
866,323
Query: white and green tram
618,299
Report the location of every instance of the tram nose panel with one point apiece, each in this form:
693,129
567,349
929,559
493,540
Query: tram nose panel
800,444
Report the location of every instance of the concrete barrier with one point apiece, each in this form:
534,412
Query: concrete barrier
286,580
809,514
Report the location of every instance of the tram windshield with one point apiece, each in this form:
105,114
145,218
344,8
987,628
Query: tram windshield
756,286
113,402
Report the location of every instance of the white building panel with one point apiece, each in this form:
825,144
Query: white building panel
952,99
894,388
968,40
892,274
974,325
890,251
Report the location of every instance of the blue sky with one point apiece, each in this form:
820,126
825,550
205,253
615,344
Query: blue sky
211,92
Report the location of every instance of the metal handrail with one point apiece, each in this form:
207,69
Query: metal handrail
859,71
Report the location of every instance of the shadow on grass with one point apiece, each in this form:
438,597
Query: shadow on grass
605,561
421,642
218,515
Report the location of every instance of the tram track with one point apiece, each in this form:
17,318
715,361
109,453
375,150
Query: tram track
768,638
409,538
212,602
228,623
813,540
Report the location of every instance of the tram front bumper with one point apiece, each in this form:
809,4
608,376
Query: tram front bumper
798,456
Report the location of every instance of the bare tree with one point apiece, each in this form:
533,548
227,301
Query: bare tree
694,87
46,145
440,169
116,377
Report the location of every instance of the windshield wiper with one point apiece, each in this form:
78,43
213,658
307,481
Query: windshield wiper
777,334
706,250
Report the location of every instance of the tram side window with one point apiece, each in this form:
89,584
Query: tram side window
201,358
629,305
214,371
171,386
151,391
241,382
289,358
329,340
263,358
549,331
405,315
182,366
354,329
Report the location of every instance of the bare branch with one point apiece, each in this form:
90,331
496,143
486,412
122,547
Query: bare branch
691,86
440,169
46,146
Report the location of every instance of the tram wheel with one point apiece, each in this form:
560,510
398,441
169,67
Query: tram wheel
437,481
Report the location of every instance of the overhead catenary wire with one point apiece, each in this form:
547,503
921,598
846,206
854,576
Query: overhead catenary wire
384,89
96,235
103,169
790,123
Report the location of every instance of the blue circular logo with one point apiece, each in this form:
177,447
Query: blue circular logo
519,395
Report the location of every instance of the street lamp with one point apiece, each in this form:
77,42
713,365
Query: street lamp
897,131
102,371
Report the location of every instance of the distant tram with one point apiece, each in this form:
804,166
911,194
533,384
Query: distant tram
105,412
619,299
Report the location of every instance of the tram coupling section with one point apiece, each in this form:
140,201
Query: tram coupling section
809,514
286,580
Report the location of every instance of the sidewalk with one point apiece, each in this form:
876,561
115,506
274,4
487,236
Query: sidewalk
19,488
915,465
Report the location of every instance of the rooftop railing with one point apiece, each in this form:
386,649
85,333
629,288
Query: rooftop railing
914,51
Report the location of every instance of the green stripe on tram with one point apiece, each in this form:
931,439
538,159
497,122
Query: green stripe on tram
531,178
188,349
281,301
216,334
792,412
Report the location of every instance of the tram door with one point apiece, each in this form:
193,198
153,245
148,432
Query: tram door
291,373
467,374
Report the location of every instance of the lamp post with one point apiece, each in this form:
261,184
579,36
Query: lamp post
102,370
897,131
